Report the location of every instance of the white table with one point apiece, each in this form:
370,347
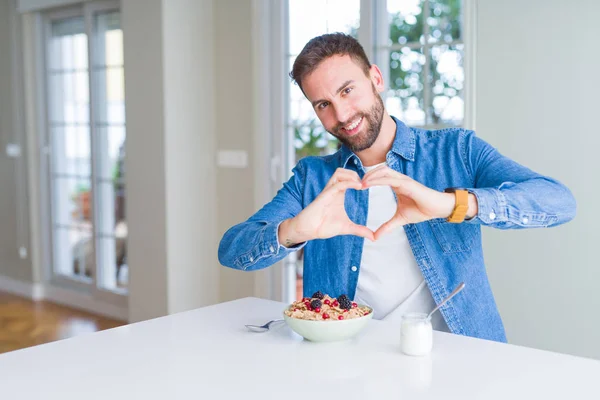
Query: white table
208,354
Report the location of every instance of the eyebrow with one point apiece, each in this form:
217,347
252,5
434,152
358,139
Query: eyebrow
314,103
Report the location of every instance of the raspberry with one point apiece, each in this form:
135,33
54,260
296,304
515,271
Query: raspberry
316,303
318,295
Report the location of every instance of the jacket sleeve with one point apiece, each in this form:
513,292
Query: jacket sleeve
254,244
509,195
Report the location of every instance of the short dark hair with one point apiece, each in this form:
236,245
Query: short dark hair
322,47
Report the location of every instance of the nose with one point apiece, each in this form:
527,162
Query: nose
343,113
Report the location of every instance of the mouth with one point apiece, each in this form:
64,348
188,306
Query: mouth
353,127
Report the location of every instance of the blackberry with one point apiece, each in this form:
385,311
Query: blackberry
316,303
342,296
318,295
345,303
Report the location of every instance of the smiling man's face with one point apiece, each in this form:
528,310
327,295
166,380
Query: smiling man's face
347,101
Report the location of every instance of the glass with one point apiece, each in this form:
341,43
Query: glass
310,18
444,21
300,108
405,21
70,151
109,38
404,99
447,85
72,201
74,251
311,139
69,97
109,85
416,337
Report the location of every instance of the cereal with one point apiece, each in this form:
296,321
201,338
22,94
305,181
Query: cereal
325,308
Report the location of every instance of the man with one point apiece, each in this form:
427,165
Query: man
393,218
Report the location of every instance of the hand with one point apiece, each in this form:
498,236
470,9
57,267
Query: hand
326,216
416,202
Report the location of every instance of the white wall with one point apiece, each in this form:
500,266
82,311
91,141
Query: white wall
171,194
234,108
538,88
145,161
14,210
190,147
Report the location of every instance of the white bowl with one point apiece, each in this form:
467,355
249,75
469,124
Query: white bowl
328,331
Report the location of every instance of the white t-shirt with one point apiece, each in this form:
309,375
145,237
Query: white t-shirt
389,279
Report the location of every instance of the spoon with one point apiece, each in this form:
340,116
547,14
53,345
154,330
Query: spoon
460,287
262,328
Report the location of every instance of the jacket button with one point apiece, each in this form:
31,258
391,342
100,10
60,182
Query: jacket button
354,269
355,161
525,220
492,216
272,249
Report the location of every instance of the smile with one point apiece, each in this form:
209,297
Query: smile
352,128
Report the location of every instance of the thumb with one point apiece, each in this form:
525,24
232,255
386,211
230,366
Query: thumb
362,231
388,227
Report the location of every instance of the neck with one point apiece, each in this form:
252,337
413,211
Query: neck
378,151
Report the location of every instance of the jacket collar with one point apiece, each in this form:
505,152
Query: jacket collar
404,144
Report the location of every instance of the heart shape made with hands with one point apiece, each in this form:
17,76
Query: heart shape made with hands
415,203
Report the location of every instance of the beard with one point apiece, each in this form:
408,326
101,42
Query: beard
370,131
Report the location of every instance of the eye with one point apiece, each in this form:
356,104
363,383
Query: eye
348,89
322,105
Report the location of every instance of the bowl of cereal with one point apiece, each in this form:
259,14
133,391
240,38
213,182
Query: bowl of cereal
322,318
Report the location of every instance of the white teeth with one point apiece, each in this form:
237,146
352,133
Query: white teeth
353,125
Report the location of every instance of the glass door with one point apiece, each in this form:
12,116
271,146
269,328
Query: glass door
86,148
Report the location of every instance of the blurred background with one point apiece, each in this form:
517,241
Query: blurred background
134,133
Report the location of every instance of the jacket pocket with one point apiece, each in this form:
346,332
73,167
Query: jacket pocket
454,238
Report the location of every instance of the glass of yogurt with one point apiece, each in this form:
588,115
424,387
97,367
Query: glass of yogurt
416,334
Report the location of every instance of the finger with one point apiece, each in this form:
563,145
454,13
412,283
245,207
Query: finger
362,231
376,171
382,173
389,226
341,186
342,174
398,184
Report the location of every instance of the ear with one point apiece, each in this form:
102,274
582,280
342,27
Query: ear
377,78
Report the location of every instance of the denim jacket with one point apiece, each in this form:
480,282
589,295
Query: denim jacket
509,195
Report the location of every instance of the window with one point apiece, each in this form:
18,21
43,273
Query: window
85,137
425,72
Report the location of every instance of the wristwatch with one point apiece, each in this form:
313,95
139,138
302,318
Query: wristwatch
462,205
